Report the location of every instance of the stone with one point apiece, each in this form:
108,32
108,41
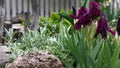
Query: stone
4,56
36,60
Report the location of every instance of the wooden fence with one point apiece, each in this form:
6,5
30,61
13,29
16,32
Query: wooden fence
12,7
45,6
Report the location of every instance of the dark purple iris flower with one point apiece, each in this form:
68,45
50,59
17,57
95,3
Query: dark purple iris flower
102,28
83,20
83,17
94,10
118,27
81,11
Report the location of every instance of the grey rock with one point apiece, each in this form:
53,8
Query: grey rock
37,60
4,56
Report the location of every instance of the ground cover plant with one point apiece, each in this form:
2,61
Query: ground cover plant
80,39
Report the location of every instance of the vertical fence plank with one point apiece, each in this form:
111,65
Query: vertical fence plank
46,8
73,3
42,7
67,5
56,5
13,8
62,4
25,6
119,3
7,9
19,6
51,6
22,5
30,6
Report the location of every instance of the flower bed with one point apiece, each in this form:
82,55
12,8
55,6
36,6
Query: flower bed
78,42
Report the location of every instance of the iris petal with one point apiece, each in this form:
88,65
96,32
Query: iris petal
74,10
82,11
111,31
73,16
77,25
94,4
95,13
103,33
85,19
94,10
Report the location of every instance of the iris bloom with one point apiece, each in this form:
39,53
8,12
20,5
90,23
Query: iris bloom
81,11
118,26
94,10
83,17
102,28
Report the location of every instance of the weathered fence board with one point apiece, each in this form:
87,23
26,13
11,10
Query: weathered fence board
42,7
7,6
51,6
56,4
46,8
13,9
62,4
19,2
25,7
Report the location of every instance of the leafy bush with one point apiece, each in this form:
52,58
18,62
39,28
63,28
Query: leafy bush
52,23
38,41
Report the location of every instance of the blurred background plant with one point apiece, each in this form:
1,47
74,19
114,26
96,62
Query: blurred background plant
111,9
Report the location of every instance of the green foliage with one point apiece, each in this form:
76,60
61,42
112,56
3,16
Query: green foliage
102,1
52,23
85,2
89,52
38,41
66,16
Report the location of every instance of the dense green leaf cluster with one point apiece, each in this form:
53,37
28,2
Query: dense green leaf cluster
89,52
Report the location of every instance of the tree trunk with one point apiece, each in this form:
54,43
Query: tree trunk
2,18
35,13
